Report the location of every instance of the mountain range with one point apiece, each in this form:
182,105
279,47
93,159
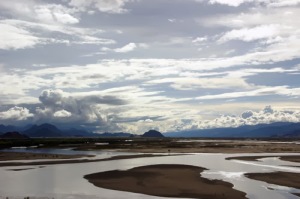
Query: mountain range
273,130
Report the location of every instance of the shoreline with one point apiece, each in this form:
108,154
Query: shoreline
170,180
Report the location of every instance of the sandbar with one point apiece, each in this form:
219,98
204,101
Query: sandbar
177,181
287,179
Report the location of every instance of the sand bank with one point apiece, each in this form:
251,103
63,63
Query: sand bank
181,181
287,179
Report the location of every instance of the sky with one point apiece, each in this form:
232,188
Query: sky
135,65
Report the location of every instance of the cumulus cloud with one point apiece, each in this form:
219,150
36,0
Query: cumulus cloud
51,97
62,114
265,116
247,114
63,107
15,114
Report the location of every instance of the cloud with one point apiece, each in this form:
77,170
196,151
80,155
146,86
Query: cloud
273,3
54,13
62,114
16,38
76,108
41,12
15,114
247,114
51,97
19,34
265,116
256,18
251,34
125,49
265,91
199,39
111,6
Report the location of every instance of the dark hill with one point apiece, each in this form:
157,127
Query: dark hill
13,135
44,130
8,128
153,133
72,132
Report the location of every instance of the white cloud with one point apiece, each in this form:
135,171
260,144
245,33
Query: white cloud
127,48
264,116
62,114
23,34
41,12
234,3
54,13
16,113
251,34
199,39
269,3
12,37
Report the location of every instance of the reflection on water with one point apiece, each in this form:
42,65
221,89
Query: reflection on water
66,181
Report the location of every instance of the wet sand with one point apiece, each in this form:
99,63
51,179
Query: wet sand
180,181
256,158
287,179
72,161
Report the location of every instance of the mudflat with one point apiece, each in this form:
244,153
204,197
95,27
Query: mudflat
287,179
182,181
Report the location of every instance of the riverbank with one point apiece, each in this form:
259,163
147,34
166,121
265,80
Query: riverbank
180,181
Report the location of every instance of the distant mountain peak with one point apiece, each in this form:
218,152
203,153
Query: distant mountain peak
152,133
